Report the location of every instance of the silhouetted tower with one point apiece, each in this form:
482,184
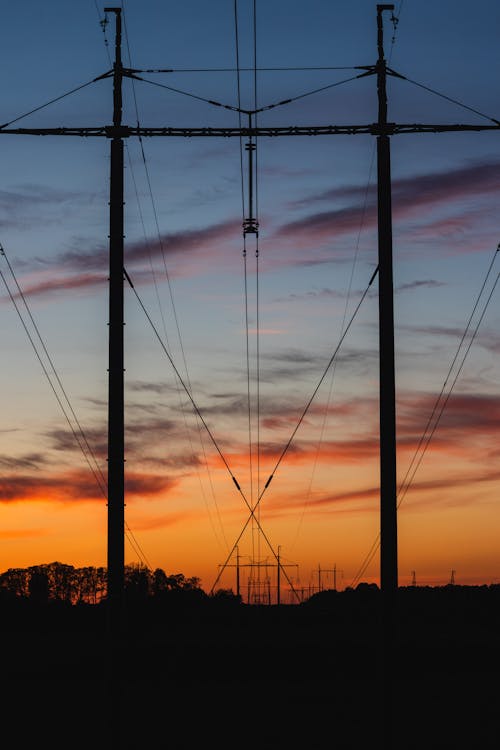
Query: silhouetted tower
388,489
320,572
116,460
335,571
382,129
387,391
237,572
278,578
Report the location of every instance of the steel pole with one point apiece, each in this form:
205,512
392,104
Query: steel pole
388,488
116,460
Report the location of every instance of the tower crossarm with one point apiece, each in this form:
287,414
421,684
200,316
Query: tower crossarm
125,131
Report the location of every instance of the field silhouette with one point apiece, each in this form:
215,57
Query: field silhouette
192,671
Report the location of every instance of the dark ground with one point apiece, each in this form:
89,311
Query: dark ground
237,676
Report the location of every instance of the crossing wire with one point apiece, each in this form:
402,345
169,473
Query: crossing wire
288,444
256,110
395,21
197,410
128,531
79,435
252,165
52,101
316,389
174,309
438,408
245,263
344,318
447,98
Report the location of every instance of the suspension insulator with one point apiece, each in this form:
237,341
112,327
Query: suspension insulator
250,226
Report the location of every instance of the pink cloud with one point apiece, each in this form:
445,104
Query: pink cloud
192,252
187,253
409,197
42,286
152,523
77,486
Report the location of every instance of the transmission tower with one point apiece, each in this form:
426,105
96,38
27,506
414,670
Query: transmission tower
383,129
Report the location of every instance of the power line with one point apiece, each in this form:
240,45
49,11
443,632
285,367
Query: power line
447,98
244,253
188,94
311,399
306,409
239,69
433,421
79,435
52,101
395,20
253,164
174,310
382,129
313,91
250,507
186,389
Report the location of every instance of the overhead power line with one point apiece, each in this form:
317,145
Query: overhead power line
439,405
67,410
53,101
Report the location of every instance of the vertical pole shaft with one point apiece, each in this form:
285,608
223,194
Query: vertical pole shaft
388,488
388,493
278,579
237,572
116,461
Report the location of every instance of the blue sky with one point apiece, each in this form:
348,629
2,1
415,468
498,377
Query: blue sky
317,251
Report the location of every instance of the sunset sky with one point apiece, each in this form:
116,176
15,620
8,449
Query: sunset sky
251,341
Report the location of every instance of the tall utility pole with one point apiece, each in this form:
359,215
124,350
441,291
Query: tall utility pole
326,570
335,571
116,422
278,578
258,565
388,490
280,567
387,395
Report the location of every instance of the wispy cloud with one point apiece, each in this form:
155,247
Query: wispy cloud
29,205
325,293
186,253
61,283
409,196
176,248
77,486
29,461
193,251
155,522
473,179
419,284
423,494
488,339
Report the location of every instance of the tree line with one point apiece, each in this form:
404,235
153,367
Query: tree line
59,582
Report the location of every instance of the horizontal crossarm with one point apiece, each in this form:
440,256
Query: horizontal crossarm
125,131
